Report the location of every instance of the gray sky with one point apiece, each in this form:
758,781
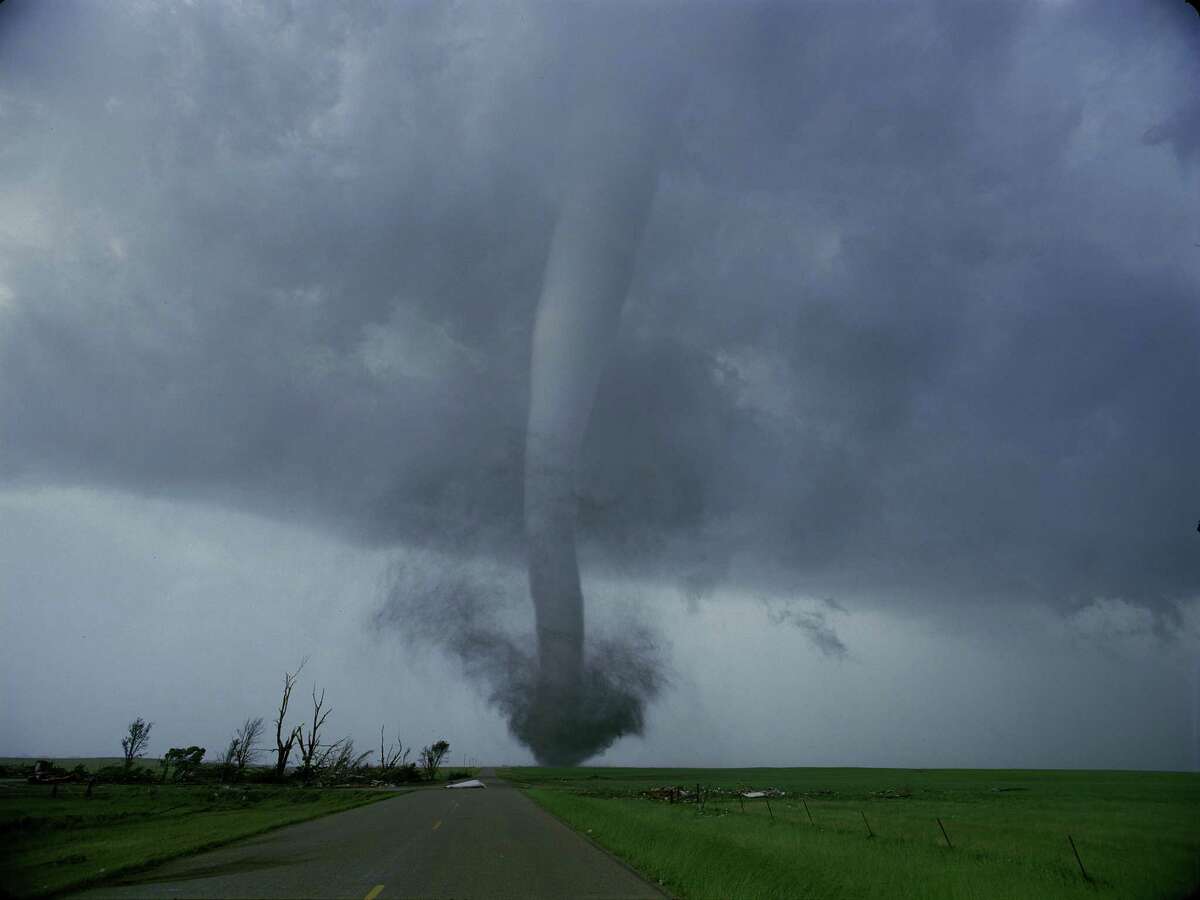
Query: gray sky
896,456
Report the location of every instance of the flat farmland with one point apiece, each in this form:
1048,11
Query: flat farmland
875,832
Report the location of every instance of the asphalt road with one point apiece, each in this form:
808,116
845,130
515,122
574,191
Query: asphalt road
430,843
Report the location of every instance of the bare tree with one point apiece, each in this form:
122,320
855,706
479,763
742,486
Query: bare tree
395,755
135,742
245,744
431,758
283,747
309,747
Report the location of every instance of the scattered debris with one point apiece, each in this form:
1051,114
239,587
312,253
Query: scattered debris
671,794
679,794
471,783
902,794
44,772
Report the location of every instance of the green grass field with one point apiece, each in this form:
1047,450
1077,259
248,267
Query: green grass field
91,763
49,844
1137,833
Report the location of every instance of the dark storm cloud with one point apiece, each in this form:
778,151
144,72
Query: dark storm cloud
914,315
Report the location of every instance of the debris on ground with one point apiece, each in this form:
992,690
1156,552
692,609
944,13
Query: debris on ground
902,794
680,794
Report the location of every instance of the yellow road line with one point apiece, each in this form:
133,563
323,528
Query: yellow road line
374,892
437,824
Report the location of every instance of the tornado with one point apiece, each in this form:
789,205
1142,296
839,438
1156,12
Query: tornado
604,120
576,708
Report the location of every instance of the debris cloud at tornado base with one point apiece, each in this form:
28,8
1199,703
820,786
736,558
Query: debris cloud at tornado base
477,614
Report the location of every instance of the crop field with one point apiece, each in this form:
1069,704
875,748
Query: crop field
52,841
854,833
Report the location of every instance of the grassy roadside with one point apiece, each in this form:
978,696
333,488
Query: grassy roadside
52,844
1137,833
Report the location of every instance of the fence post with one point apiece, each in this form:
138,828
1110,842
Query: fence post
946,836
1077,859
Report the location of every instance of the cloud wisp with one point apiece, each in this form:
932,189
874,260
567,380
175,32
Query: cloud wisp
814,623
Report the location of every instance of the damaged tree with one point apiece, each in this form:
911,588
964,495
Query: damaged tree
283,747
339,761
134,744
243,747
396,755
179,763
431,758
309,747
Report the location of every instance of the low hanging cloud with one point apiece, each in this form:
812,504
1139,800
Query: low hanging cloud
1112,618
913,319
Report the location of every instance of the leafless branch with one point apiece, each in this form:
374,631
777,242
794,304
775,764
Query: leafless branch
310,746
283,747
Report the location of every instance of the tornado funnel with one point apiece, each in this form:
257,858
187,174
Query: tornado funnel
587,276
